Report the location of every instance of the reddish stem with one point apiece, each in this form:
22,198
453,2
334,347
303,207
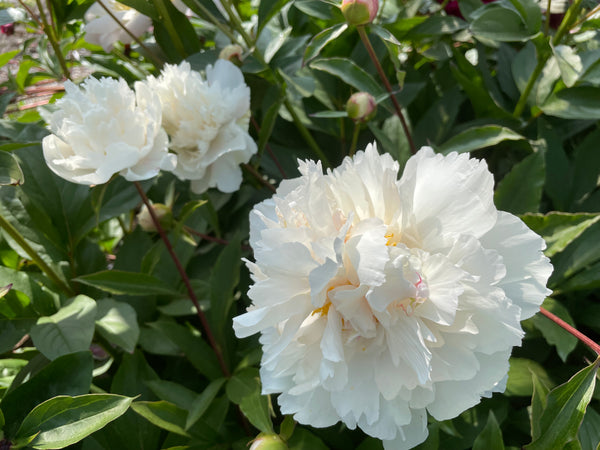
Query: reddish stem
578,334
186,281
367,43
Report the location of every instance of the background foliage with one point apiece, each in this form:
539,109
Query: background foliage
97,337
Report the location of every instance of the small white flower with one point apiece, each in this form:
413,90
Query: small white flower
207,121
380,300
101,29
104,128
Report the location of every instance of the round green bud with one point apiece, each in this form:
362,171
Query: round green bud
361,107
266,441
163,213
359,12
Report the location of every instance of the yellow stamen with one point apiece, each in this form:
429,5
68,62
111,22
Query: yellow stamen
323,310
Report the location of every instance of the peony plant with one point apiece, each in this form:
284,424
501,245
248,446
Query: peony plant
251,280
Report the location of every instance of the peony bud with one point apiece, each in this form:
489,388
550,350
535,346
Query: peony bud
359,12
233,53
7,29
268,442
361,107
163,212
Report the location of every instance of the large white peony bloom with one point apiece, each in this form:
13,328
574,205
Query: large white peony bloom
207,121
107,128
379,300
101,29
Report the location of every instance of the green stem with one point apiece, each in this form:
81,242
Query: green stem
522,102
129,33
587,16
306,134
35,257
237,24
354,139
53,41
578,334
367,43
251,170
567,21
547,23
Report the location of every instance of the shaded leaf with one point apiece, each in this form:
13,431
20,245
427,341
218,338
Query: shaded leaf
574,103
67,375
203,401
243,388
538,405
521,190
128,283
490,437
564,341
519,377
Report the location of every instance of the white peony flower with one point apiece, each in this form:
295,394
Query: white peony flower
207,121
378,300
107,128
101,29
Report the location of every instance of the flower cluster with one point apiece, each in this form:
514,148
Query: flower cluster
208,123
106,128
380,300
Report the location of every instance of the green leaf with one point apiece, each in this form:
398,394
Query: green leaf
519,377
574,103
127,283
538,405
117,322
564,341
589,432
63,420
349,72
435,25
577,258
203,401
267,9
320,40
223,281
490,437
6,57
498,23
196,350
559,229
67,375
267,125
564,411
477,138
521,190
163,414
243,388
70,330
435,123
10,171
569,64
175,393
302,439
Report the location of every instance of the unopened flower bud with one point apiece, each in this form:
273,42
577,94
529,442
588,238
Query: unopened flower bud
361,107
163,213
359,12
266,441
7,29
233,53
